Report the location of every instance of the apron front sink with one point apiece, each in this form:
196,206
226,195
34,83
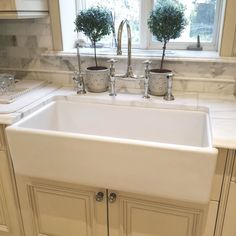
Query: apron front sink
158,152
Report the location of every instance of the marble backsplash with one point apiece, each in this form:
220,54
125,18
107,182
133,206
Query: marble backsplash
207,76
23,40
25,49
189,76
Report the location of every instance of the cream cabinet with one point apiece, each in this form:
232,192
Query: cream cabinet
229,226
10,9
53,208
233,179
46,207
136,215
10,217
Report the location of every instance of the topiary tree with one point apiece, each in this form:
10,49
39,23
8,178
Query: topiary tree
95,23
167,21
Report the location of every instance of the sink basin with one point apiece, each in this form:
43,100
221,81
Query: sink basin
158,152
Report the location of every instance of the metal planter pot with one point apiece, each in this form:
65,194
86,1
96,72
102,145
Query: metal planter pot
158,81
97,79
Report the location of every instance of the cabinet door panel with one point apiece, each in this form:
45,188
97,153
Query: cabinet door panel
61,213
60,210
132,216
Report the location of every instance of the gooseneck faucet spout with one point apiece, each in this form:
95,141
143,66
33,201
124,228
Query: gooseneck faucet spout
129,72
78,77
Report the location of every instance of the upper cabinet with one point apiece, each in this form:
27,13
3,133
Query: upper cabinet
14,9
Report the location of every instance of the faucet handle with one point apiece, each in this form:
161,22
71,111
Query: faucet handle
146,79
79,82
169,96
75,75
112,68
112,61
147,63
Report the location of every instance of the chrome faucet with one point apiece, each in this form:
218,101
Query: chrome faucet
112,77
79,83
169,96
146,78
129,72
78,77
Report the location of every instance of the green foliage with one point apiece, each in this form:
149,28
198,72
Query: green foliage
95,23
167,21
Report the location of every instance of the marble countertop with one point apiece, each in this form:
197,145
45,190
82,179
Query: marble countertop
10,113
222,108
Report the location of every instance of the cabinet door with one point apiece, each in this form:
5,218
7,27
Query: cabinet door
31,5
14,9
57,209
229,227
10,220
4,226
23,5
210,223
7,5
141,216
234,170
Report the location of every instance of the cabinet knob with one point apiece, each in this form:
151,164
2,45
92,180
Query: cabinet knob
112,197
99,196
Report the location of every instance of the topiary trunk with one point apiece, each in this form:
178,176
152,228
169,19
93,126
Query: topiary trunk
163,55
95,53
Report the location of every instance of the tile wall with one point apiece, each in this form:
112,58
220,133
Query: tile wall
23,40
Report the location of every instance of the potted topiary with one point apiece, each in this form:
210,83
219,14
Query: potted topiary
95,23
166,22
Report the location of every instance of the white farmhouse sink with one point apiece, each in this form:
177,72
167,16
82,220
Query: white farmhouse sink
158,152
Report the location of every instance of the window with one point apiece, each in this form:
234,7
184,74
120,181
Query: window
120,10
203,19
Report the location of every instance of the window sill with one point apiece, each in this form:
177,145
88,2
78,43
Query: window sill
171,55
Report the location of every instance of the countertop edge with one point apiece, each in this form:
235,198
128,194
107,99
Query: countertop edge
223,128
